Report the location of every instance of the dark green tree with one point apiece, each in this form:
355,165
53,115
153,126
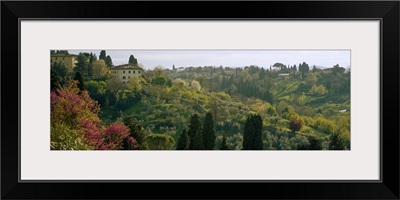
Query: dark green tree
315,143
78,77
160,80
194,125
183,142
268,96
103,55
132,60
336,142
92,57
314,69
90,71
54,80
258,126
261,76
198,143
109,62
82,64
248,134
304,68
224,144
252,133
337,70
209,136
137,132
60,69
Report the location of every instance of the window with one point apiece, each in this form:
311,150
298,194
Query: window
123,72
134,71
129,71
123,77
138,72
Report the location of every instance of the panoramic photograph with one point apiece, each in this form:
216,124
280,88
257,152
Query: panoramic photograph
106,99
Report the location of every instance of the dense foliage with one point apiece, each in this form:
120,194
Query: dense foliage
200,108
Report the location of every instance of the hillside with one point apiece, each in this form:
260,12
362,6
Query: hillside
165,100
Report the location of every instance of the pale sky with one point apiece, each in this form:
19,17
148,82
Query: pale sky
231,58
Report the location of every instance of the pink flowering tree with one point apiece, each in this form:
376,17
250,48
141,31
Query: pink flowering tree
76,111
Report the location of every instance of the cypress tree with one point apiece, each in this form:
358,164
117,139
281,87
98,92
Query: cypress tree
224,145
78,77
102,55
209,136
261,76
248,135
132,60
252,139
83,64
198,140
194,125
91,58
183,142
54,80
258,126
109,62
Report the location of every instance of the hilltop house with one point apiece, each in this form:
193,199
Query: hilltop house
124,72
69,60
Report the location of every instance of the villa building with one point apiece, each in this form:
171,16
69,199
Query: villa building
126,71
69,60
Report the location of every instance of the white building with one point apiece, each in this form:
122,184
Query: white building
126,71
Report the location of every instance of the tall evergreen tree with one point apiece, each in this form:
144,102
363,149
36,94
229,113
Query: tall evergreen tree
194,125
314,69
103,55
60,69
198,143
224,144
261,76
248,135
132,60
252,139
54,80
183,142
304,68
82,64
78,77
258,126
209,136
90,71
92,57
109,62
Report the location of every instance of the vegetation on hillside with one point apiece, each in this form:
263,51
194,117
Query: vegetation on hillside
201,108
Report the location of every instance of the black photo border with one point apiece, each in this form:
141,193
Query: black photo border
385,11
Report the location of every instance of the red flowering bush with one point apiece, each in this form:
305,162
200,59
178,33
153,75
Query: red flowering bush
76,111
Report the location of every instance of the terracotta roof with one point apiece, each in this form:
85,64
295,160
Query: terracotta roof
64,55
127,66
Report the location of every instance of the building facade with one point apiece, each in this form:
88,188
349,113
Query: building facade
69,60
126,71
